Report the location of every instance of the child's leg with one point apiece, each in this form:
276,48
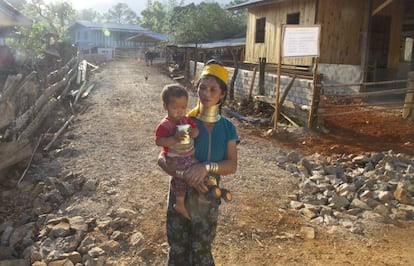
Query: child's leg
179,206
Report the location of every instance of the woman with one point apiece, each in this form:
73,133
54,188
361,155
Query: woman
215,148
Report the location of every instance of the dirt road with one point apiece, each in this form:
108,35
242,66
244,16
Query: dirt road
112,144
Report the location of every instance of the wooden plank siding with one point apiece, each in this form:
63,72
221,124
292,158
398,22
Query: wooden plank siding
341,31
275,15
396,39
342,38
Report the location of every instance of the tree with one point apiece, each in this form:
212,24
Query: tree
205,22
49,23
121,13
89,15
154,17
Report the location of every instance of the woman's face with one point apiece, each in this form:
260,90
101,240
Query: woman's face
209,91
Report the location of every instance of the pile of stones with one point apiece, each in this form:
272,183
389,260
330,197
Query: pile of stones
44,236
350,189
337,190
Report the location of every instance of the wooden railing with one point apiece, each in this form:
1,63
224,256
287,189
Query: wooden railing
361,102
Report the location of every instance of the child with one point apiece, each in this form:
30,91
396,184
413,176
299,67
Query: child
178,152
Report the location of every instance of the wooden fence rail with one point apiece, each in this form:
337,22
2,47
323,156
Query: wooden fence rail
369,102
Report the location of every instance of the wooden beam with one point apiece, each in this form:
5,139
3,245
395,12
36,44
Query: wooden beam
14,152
381,7
249,96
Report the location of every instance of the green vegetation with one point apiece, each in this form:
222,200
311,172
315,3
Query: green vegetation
191,23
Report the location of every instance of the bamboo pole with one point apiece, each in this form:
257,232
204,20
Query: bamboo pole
60,131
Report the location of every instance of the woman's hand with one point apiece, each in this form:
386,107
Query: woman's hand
194,176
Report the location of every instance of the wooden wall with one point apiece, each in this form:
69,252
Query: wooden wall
342,28
275,15
341,31
395,44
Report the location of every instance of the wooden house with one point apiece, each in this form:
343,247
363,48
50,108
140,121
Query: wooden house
360,40
9,18
95,35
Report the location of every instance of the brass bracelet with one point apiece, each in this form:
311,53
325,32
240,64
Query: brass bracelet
214,168
179,174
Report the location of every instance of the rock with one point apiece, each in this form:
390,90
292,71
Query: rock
293,157
18,262
111,247
338,202
61,229
296,205
403,196
307,232
6,253
136,239
96,252
78,223
90,185
87,243
385,196
361,160
39,263
383,210
5,236
64,262
74,257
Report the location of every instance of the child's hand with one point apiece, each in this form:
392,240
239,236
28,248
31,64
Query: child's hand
180,135
193,132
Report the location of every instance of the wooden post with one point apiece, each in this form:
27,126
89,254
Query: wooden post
249,96
408,110
313,112
262,64
279,66
365,42
286,92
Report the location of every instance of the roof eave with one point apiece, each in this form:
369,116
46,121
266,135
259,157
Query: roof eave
253,4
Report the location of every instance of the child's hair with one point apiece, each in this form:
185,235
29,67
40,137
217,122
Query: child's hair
173,90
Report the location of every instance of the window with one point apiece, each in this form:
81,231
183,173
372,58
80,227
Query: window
78,36
85,35
260,30
408,49
293,18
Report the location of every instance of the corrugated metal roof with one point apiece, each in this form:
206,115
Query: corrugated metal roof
148,37
10,16
254,3
110,26
218,44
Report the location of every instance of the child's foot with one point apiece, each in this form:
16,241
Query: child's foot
182,210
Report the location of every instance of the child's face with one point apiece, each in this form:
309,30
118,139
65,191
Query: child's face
176,108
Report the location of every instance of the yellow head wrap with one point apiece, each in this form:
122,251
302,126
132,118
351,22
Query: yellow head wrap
215,70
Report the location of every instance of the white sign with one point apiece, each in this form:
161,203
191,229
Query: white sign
300,41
